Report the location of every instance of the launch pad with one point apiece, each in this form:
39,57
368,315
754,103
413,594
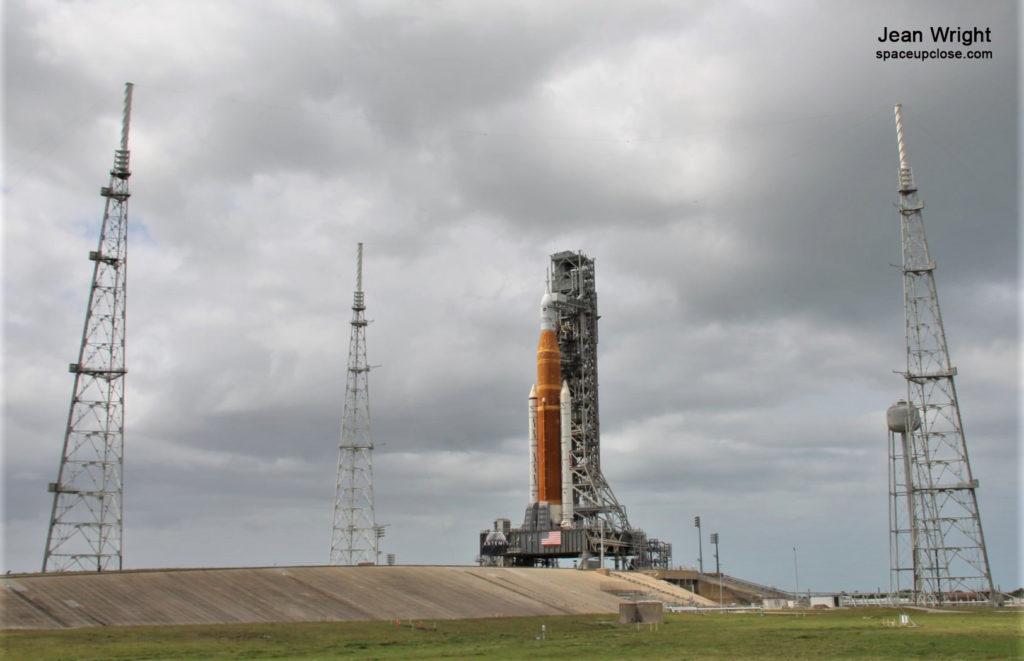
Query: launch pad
572,512
505,546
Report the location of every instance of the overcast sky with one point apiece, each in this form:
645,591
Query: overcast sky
732,168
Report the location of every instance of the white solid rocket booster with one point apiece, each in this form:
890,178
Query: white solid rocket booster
533,443
565,405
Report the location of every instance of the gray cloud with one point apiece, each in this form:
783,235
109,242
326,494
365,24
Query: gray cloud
732,169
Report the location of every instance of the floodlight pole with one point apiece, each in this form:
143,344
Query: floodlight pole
700,544
718,570
796,576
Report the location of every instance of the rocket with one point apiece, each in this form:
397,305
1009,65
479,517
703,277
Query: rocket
549,407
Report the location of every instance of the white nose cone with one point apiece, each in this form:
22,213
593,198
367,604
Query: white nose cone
547,313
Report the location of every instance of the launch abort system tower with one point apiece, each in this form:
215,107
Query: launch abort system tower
937,549
86,531
591,523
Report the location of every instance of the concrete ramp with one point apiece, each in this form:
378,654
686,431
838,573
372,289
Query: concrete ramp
298,594
654,588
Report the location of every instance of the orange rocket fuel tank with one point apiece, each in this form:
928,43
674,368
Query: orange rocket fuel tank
549,425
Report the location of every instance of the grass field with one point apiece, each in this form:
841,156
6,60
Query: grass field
841,634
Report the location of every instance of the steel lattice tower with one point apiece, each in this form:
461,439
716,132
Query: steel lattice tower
86,530
572,283
356,536
594,504
937,546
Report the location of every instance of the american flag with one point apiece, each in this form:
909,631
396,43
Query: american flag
553,538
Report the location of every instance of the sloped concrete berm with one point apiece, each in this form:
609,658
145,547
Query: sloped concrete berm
300,594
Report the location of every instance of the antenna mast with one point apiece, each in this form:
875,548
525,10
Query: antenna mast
356,536
85,530
937,549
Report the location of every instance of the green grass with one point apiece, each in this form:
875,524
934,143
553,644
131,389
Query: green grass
842,634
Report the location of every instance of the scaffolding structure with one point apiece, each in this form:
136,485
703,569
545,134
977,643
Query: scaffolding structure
937,548
355,538
599,526
86,521
595,507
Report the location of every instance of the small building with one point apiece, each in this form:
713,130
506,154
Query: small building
825,601
641,612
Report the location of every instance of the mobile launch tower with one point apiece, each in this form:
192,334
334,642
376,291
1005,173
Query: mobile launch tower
582,519
936,546
355,538
86,532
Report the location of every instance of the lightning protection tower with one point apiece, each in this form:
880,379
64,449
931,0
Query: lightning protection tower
937,549
356,536
86,530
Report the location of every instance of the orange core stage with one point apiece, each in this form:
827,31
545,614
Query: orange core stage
549,425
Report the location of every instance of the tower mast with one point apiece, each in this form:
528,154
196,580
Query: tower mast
86,530
935,505
356,535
